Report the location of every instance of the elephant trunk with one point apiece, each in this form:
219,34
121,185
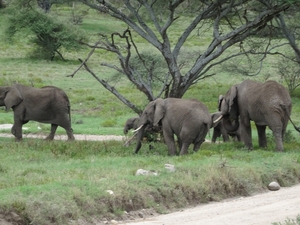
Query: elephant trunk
230,126
140,136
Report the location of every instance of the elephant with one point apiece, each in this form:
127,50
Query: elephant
131,123
48,104
150,133
219,130
188,119
267,104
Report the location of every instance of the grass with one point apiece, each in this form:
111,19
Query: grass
289,221
60,180
66,182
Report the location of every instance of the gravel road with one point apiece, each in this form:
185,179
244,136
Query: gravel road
80,137
260,209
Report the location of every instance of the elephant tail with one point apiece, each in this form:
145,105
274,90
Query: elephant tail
284,107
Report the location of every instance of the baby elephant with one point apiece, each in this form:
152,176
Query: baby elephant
48,104
150,133
131,123
220,130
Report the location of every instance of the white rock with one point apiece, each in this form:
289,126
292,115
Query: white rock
170,167
273,186
114,222
110,192
145,172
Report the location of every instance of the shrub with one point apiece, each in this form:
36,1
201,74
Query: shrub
47,34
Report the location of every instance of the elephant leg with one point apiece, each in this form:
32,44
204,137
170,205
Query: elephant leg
179,143
277,132
50,137
184,148
197,145
70,134
216,134
246,136
16,130
262,139
225,135
169,139
68,129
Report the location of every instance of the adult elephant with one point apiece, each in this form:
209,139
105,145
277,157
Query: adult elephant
267,104
45,105
188,119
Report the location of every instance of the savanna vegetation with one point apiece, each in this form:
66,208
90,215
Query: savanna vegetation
88,182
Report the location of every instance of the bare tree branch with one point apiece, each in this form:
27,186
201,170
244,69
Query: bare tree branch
111,89
229,22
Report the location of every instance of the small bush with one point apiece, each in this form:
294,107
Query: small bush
47,34
109,123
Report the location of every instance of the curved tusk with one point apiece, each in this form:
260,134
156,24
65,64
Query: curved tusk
217,120
137,129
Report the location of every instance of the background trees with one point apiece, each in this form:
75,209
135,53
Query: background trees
48,34
228,22
163,61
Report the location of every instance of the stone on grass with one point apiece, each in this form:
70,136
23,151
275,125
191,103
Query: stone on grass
146,172
273,186
170,167
110,192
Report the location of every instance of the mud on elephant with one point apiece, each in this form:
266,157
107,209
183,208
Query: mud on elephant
267,104
188,119
48,104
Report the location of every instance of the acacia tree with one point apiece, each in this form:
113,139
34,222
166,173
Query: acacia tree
229,22
289,67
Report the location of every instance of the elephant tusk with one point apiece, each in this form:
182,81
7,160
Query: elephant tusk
137,129
217,120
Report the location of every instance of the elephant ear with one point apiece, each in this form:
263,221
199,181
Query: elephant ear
233,108
159,111
221,97
13,97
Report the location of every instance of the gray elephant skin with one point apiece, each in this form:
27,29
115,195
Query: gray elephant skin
48,104
267,104
188,119
220,131
131,123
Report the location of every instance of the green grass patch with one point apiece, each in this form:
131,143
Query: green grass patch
63,182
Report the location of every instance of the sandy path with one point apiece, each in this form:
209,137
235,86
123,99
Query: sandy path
260,209
80,137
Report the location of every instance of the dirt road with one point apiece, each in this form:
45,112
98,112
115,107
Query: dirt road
260,209
81,137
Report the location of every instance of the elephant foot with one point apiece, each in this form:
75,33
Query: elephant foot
49,137
18,139
71,137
